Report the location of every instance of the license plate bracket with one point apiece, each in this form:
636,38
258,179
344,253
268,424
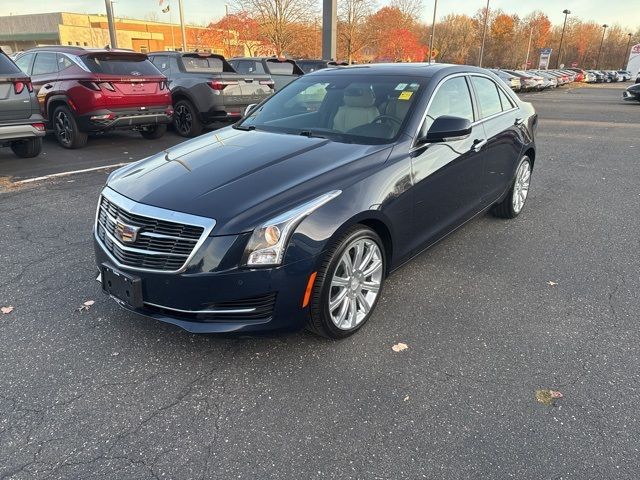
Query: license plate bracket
122,286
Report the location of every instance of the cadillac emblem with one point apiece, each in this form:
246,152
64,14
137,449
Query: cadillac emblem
126,233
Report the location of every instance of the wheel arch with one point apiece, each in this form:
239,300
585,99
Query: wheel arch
54,102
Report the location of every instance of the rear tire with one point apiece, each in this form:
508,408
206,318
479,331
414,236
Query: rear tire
66,129
28,148
153,132
185,119
514,202
337,306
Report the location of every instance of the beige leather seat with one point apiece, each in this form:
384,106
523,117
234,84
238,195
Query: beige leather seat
358,108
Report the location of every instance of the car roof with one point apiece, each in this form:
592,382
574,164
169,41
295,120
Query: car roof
413,69
75,50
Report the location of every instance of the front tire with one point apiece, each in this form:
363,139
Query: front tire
513,203
27,148
153,132
66,129
185,119
348,284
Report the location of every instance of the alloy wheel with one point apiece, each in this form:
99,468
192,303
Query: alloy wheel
183,119
64,132
355,283
521,186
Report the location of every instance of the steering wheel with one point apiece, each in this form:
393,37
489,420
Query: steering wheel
395,120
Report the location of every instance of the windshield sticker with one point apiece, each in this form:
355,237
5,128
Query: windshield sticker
401,86
405,96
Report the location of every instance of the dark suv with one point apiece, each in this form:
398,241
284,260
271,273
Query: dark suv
206,89
282,70
82,91
21,125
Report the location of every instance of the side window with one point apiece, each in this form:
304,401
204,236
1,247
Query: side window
488,96
256,67
46,62
161,62
452,98
507,103
64,62
24,62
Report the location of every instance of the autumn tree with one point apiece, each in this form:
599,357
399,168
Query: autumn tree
278,19
454,39
240,30
352,32
400,45
411,9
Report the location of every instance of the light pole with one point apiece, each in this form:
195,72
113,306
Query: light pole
526,62
111,22
182,29
484,33
604,29
433,31
226,11
626,52
566,14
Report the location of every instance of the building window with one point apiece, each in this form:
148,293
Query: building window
78,44
86,44
70,43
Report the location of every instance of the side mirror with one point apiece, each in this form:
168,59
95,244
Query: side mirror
250,107
447,128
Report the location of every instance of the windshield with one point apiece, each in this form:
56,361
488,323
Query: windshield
205,64
343,108
111,64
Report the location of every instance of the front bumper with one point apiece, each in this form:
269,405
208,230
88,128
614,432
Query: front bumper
194,301
630,96
106,119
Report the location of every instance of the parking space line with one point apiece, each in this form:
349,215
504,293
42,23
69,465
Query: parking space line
72,172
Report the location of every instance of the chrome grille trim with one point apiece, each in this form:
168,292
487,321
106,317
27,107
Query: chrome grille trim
163,219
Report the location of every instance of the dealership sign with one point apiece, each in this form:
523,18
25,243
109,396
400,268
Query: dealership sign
633,64
545,55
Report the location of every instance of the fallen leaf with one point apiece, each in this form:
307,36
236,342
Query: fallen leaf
406,398
547,397
551,283
88,303
115,354
6,310
398,347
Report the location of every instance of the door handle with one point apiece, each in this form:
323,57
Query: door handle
478,144
519,121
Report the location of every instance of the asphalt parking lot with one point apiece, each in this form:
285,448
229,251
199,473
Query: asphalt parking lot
493,313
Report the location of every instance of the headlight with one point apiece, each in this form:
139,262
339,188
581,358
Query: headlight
269,241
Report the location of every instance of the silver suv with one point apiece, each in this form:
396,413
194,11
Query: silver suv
21,125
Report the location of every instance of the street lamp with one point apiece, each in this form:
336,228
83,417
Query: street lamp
566,14
604,29
626,52
433,31
484,33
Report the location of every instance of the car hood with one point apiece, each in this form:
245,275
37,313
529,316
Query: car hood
243,178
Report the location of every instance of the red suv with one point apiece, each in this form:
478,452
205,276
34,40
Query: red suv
82,91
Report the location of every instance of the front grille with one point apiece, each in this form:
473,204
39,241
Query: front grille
246,309
159,244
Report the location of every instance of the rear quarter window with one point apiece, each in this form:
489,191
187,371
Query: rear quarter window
7,67
280,68
120,65
203,64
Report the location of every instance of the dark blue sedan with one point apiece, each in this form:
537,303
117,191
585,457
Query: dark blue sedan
295,215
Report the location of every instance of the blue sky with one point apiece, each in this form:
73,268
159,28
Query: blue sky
202,11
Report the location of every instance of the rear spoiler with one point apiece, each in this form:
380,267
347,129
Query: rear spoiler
114,55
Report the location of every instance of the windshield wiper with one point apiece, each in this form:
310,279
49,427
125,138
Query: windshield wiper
310,134
245,128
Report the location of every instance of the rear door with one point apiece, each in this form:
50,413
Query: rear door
499,116
15,99
447,176
127,80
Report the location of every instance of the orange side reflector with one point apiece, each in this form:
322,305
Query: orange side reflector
307,293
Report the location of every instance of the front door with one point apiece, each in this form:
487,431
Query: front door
447,177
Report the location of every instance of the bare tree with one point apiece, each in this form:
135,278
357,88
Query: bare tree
411,9
352,31
278,19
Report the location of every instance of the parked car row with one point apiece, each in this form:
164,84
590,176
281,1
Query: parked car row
536,80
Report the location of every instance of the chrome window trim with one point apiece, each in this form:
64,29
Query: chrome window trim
503,91
230,310
157,213
475,122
